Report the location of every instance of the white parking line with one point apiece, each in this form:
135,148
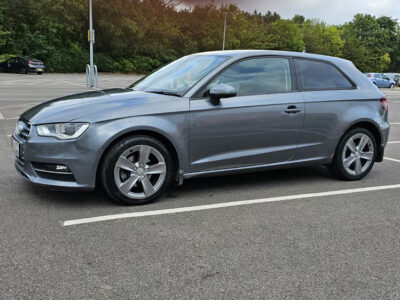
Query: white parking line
394,142
226,204
392,159
395,123
1,116
83,85
17,105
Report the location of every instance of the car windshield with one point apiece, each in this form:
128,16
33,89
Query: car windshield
179,76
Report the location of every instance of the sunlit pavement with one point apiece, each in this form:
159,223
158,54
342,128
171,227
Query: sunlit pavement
342,243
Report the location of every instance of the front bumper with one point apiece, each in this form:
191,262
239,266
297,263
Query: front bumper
80,160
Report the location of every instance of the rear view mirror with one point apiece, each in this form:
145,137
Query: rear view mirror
220,91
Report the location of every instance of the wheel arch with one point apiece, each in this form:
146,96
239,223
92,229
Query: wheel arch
371,126
136,132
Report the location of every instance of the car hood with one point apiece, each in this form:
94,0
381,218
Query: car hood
101,105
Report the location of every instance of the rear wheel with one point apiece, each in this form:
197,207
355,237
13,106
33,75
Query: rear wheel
137,170
355,155
24,70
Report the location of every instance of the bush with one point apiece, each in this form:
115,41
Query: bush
139,64
4,57
106,63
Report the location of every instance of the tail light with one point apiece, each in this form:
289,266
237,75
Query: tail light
384,103
369,75
31,61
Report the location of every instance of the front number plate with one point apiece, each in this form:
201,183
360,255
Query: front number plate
15,146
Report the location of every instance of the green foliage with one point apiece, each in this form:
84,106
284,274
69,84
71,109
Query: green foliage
367,41
321,38
6,56
283,35
384,62
142,35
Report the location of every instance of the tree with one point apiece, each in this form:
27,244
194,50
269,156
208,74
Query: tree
321,38
283,35
372,38
3,34
141,35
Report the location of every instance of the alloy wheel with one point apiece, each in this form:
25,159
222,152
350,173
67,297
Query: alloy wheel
358,154
140,172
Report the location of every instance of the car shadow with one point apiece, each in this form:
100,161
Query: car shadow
212,185
250,180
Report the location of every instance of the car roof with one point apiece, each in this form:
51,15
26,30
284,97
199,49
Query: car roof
246,53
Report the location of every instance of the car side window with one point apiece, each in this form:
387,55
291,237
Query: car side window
316,75
384,77
377,75
256,76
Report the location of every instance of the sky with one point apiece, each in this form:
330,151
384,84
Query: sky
331,11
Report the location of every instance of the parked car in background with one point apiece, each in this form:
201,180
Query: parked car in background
381,80
22,65
207,114
395,77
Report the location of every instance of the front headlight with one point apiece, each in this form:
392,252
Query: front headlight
63,131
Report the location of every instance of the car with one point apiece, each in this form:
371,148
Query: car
206,114
395,77
381,80
22,65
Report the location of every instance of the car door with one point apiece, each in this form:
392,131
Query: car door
19,63
386,81
378,80
326,92
260,126
10,65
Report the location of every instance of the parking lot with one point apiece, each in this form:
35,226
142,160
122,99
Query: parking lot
295,233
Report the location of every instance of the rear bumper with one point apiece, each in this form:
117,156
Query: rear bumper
381,154
37,70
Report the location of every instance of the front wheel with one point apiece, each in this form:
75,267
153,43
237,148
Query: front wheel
355,155
392,86
137,170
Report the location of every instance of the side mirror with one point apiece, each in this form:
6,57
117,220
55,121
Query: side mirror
220,91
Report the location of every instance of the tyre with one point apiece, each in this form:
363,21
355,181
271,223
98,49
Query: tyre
137,170
40,73
24,70
392,86
355,155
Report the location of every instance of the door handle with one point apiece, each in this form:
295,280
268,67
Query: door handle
292,109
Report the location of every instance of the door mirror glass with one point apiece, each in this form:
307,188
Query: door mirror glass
220,91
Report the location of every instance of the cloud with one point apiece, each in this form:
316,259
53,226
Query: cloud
330,11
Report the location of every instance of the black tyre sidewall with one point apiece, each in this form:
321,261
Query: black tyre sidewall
337,167
107,172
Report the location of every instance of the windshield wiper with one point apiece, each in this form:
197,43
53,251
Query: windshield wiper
165,93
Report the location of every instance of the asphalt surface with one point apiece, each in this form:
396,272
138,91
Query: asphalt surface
327,247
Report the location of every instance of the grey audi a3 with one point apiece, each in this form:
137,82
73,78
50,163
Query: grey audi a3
210,113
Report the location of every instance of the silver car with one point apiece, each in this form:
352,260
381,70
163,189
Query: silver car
207,114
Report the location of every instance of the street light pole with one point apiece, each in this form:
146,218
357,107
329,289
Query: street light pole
91,69
91,36
223,41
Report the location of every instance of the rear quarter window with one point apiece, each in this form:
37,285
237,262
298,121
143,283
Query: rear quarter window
316,75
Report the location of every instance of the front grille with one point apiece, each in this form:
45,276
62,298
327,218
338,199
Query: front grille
23,129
